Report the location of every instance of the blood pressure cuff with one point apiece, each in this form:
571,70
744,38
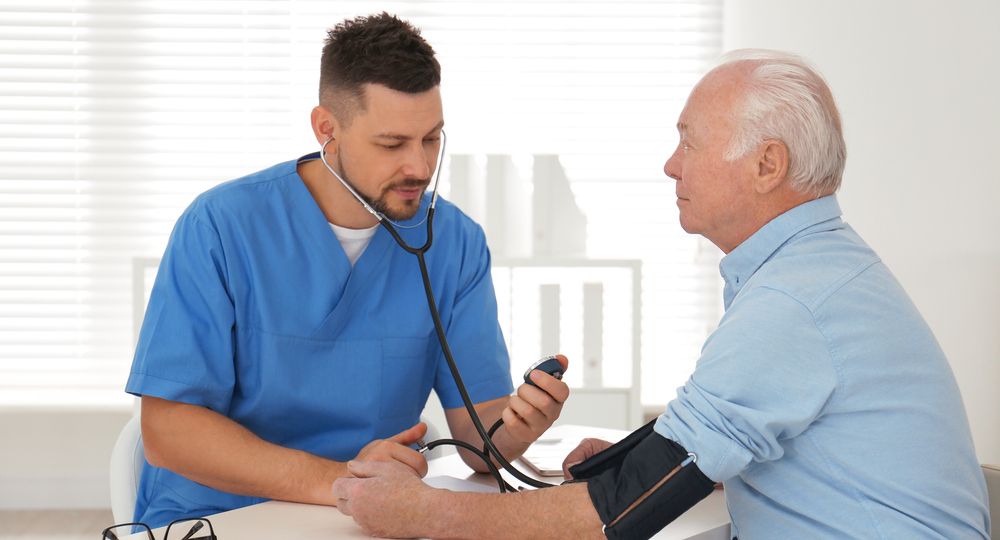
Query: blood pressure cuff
641,484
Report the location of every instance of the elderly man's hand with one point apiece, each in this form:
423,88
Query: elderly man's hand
532,410
396,448
583,451
385,498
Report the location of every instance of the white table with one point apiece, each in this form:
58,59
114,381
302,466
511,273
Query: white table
709,520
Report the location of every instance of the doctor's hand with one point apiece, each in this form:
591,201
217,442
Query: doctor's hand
397,448
532,410
583,451
385,498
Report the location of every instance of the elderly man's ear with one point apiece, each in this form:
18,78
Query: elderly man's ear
772,166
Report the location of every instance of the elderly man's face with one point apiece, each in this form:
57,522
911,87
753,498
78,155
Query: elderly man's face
711,192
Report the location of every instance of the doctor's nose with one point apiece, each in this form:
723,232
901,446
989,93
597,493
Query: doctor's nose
418,164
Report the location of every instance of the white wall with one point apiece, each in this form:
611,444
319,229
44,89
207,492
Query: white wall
918,83
57,457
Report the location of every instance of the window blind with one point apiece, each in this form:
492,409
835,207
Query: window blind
114,114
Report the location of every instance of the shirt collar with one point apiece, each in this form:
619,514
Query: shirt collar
741,263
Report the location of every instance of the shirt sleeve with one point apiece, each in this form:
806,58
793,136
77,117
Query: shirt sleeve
185,349
474,334
764,376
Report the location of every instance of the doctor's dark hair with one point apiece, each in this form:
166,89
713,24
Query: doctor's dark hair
374,49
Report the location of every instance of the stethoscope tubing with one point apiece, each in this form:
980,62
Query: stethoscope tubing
489,447
446,350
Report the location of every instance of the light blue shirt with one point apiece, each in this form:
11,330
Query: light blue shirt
822,401
257,314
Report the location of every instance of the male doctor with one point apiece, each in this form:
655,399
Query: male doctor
287,332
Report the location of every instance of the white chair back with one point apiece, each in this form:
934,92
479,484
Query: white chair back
126,467
433,433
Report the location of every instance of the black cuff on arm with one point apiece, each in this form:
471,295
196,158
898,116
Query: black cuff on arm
642,484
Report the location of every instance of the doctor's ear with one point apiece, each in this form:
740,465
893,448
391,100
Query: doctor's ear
324,125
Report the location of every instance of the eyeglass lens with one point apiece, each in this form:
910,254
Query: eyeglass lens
190,529
120,532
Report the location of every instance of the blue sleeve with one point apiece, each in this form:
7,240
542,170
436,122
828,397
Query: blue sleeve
474,334
763,377
185,349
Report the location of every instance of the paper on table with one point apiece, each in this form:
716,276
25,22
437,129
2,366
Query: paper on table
457,484
546,455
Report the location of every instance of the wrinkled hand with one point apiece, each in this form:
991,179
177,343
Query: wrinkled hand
396,448
584,451
532,410
385,498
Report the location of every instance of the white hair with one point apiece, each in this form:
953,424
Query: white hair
784,98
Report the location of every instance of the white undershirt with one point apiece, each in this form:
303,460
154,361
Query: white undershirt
354,241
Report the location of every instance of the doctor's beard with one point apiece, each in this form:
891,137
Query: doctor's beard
381,204
410,207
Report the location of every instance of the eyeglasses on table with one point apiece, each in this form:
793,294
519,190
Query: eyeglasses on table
179,529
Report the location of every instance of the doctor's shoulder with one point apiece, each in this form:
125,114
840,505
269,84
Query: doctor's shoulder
248,195
464,240
452,221
277,177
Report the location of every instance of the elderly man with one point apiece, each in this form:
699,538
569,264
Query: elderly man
822,402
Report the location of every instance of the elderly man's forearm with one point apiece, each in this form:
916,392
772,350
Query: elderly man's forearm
558,512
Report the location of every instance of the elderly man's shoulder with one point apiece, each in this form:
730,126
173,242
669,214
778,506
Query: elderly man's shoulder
812,267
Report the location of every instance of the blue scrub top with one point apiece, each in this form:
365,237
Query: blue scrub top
257,314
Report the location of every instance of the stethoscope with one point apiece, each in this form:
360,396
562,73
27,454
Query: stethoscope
487,436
